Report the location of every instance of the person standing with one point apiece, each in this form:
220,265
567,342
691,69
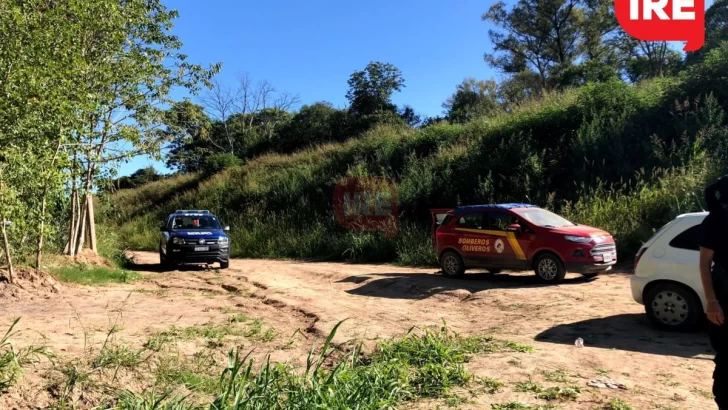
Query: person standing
714,275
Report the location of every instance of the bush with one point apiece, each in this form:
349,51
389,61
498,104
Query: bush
217,162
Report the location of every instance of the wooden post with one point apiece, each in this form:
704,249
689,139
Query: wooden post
91,223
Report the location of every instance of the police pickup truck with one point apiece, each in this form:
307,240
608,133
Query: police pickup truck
194,236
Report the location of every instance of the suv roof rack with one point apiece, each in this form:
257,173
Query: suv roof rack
191,211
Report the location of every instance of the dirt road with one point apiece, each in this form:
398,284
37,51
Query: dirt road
302,301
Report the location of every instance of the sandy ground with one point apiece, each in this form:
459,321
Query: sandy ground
302,302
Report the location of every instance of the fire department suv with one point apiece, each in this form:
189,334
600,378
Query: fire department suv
518,237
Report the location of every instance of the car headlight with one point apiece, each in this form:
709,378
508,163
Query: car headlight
578,239
222,240
177,241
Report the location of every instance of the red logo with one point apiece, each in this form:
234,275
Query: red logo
664,20
367,204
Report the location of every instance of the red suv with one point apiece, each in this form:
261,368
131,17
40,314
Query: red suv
519,237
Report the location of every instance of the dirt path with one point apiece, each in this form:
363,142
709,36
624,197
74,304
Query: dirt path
302,301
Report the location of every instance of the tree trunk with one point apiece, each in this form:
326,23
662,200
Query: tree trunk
41,228
91,223
81,237
6,248
73,221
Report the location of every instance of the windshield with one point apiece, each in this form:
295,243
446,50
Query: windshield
195,222
543,218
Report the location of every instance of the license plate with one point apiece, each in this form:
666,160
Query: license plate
202,248
608,258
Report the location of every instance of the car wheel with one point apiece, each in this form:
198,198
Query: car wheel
224,265
549,269
452,264
673,307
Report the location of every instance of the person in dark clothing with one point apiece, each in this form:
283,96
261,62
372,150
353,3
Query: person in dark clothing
714,275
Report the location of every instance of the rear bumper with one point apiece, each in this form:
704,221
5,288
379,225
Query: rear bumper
589,267
638,288
187,254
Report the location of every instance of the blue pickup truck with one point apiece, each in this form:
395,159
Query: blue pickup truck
194,236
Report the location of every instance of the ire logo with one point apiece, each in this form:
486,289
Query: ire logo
366,204
664,20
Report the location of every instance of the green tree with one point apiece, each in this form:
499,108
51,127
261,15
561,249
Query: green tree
716,30
370,90
187,130
313,124
472,99
130,62
649,59
535,36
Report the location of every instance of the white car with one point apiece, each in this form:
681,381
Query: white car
667,275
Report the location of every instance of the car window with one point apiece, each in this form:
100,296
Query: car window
689,239
446,221
472,221
195,222
499,221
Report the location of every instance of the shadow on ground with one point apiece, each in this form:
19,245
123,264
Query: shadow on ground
158,268
629,332
422,285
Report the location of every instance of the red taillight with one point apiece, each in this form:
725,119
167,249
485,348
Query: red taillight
638,256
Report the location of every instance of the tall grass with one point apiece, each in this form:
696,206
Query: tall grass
13,361
608,154
427,364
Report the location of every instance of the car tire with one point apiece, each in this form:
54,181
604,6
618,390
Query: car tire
452,264
164,263
224,265
549,268
673,307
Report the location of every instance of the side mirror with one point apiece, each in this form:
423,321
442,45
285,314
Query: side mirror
163,229
226,229
514,228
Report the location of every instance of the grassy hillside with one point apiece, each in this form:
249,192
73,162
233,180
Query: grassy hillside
625,158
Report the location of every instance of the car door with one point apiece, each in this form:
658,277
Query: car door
507,249
438,216
473,240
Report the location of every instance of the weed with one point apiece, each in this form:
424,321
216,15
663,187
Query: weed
529,386
515,405
488,385
117,356
455,400
601,371
92,275
517,347
702,393
556,376
617,404
12,361
562,393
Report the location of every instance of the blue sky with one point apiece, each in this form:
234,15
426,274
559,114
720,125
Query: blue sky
310,48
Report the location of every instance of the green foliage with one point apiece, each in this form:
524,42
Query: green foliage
617,404
621,157
472,99
514,405
370,90
429,364
12,361
488,385
529,386
93,275
562,393
215,163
